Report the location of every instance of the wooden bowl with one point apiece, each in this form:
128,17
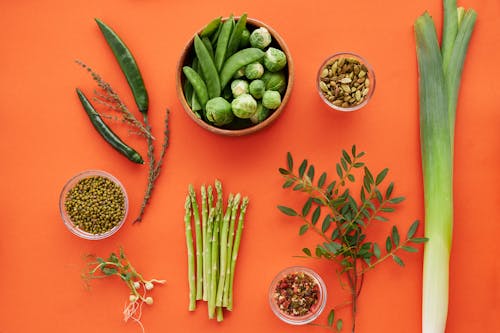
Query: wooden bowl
186,58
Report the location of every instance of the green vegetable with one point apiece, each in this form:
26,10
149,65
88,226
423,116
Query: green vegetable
190,254
274,59
239,73
275,81
256,88
211,27
245,39
261,114
198,233
235,39
237,61
255,70
244,106
340,213
239,87
106,132
218,111
208,68
271,99
222,42
208,46
260,38
199,86
439,80
128,66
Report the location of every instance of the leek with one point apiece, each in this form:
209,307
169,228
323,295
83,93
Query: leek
440,71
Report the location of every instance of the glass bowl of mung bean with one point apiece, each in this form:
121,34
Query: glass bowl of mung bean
93,204
345,81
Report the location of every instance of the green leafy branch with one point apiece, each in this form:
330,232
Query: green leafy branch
345,218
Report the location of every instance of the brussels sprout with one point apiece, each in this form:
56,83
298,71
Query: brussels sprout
274,59
275,81
260,38
244,106
257,88
271,99
239,87
218,111
261,114
239,73
254,70
245,38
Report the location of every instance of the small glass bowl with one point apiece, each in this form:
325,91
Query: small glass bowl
67,221
370,75
316,311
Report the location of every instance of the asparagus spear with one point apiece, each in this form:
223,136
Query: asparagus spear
189,243
208,255
223,250
204,226
198,235
230,240
215,267
236,248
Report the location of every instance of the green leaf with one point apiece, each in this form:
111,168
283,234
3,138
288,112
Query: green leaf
380,218
332,247
395,235
330,187
346,156
326,224
389,190
361,154
367,184
376,250
283,171
113,258
358,165
362,194
397,200
302,168
381,176
353,150
419,240
109,271
387,209
288,183
339,325
412,230
310,173
315,215
307,207
369,175
335,234
287,211
378,195
398,260
307,251
409,248
289,161
344,164
322,179
298,187
331,318
303,229
388,244
339,170
351,178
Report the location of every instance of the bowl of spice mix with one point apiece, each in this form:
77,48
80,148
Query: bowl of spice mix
346,81
297,295
93,204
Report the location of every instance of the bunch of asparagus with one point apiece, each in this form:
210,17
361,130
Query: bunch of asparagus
217,236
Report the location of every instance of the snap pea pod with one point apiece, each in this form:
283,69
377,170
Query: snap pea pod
238,60
222,42
106,132
199,86
211,27
195,104
208,45
208,69
215,37
128,66
234,41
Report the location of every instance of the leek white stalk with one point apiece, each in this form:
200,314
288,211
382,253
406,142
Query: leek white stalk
440,72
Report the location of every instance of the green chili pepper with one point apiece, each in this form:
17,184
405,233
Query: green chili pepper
106,132
234,41
207,68
128,65
211,27
222,42
238,60
199,86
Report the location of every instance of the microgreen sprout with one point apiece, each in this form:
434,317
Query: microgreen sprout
119,265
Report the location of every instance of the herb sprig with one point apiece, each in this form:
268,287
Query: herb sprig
345,219
120,266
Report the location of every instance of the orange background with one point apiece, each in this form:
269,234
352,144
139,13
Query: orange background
46,138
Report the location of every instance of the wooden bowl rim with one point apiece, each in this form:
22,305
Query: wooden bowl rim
251,129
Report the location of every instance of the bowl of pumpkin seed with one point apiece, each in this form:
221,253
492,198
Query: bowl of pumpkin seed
346,81
93,204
